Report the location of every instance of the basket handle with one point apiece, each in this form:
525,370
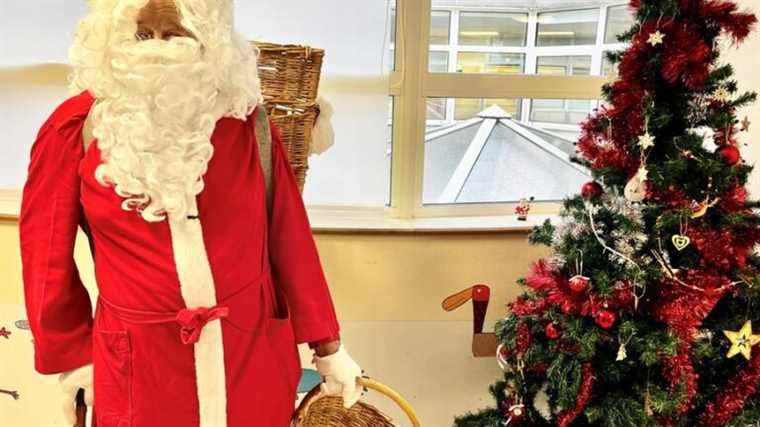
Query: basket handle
393,395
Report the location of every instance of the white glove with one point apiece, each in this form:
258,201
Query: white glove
340,372
71,381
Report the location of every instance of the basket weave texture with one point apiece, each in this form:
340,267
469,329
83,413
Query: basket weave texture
290,81
318,409
328,411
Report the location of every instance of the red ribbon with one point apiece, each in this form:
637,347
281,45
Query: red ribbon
193,320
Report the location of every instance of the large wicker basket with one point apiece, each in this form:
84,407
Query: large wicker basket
319,410
290,81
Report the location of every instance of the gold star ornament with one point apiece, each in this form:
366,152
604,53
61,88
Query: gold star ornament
656,38
745,124
742,341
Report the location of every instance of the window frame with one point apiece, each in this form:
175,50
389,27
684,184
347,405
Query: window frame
411,84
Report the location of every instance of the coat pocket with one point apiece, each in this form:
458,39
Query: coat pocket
112,369
279,332
282,344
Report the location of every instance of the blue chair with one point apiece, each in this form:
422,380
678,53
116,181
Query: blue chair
309,379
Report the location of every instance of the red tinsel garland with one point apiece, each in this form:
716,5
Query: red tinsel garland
584,395
680,373
737,390
725,14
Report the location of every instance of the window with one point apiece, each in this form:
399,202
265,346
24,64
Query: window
439,62
576,27
619,20
564,65
489,134
492,29
439,27
436,110
485,62
467,108
492,157
564,111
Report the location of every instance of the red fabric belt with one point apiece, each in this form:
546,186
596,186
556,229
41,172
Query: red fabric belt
191,320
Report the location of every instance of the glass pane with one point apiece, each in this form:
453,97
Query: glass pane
497,63
442,156
440,21
564,111
467,108
564,65
391,58
438,62
492,29
573,27
619,20
486,155
392,22
436,109
511,167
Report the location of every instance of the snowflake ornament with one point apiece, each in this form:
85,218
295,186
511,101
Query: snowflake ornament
646,141
721,94
656,38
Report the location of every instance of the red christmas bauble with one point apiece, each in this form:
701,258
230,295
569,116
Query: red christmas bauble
579,284
567,306
730,154
591,190
605,319
552,331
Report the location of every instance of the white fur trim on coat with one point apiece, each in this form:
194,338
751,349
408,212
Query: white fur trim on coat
198,290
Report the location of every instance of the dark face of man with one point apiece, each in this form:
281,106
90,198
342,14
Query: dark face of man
160,19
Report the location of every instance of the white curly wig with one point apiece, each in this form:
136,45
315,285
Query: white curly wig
158,101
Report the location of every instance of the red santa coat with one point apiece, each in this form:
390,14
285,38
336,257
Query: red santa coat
197,320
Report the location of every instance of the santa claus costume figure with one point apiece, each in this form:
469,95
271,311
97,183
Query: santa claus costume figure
203,295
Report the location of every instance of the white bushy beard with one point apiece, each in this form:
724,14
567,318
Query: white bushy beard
157,104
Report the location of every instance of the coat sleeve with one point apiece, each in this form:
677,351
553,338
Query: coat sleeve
293,254
57,304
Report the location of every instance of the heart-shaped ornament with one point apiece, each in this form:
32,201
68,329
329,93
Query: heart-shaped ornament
681,242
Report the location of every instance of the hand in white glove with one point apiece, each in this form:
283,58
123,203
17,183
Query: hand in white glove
71,381
340,372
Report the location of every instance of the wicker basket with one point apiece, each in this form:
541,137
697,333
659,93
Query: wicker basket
319,410
296,125
290,81
289,73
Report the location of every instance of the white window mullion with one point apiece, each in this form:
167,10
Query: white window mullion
601,28
409,116
453,59
530,60
454,28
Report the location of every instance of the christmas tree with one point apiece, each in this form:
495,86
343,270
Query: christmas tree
641,315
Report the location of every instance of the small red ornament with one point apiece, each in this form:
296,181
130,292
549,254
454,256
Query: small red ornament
516,412
567,306
730,154
605,319
579,284
552,331
591,190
